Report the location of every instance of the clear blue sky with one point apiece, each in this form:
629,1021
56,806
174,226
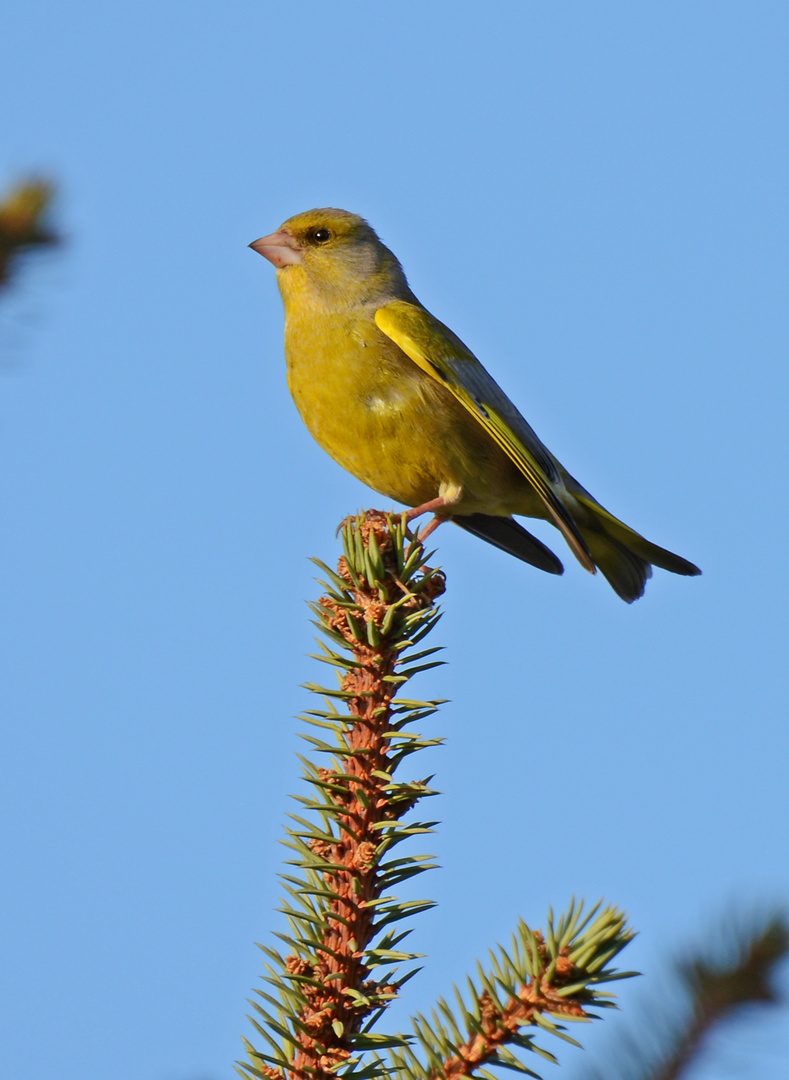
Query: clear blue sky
594,197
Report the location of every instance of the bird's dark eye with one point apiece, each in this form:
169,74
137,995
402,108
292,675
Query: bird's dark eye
320,236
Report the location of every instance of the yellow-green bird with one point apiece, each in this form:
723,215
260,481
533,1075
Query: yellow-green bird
401,403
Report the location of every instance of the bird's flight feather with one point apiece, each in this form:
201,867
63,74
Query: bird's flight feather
443,356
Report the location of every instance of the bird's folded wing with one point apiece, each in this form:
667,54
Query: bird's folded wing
509,535
442,355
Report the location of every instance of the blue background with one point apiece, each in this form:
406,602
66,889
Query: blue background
594,197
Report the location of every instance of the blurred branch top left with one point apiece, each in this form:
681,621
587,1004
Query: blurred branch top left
23,225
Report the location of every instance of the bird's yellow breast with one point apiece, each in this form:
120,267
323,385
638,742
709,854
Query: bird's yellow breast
380,417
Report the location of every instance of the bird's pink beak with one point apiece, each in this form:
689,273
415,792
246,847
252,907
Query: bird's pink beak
279,248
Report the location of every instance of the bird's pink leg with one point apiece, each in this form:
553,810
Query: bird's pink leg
430,527
426,508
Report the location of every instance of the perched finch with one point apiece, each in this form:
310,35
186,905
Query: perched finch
399,401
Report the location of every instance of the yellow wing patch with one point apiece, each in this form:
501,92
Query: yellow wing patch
444,357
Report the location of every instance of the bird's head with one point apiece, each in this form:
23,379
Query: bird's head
330,255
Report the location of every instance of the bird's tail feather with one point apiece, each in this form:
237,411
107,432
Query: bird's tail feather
626,572
506,534
623,555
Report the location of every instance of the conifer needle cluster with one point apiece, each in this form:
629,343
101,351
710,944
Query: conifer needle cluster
344,958
22,224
